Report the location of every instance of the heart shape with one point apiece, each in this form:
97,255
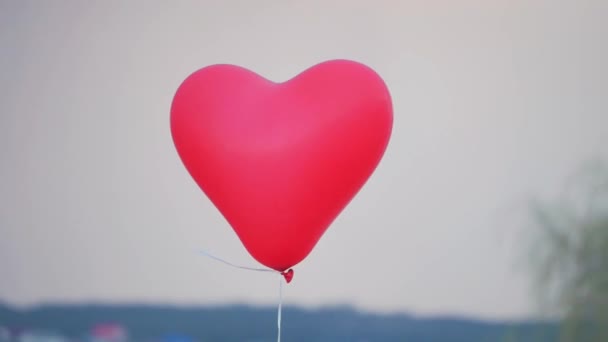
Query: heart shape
280,161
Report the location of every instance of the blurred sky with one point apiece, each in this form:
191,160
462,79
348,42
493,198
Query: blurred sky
494,101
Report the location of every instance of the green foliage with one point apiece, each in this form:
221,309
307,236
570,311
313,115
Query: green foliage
570,258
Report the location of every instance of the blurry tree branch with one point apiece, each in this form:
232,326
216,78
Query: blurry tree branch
570,256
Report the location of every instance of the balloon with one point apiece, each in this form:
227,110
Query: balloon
280,161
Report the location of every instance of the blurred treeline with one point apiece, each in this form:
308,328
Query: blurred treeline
569,256
256,324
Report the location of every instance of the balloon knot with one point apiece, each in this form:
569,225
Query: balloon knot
288,275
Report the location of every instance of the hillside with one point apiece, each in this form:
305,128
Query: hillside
243,323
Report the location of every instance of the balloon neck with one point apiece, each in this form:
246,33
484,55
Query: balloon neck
288,275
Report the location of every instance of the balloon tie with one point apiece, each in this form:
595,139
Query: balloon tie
287,275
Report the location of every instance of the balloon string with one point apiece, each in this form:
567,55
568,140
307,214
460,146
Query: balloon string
237,266
281,277
280,304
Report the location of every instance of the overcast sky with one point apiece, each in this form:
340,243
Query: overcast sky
494,101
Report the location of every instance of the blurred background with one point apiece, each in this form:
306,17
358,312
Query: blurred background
487,219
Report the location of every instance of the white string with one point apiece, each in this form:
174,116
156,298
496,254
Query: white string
258,270
280,304
237,266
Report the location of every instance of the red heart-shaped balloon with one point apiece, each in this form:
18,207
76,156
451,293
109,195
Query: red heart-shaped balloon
281,160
